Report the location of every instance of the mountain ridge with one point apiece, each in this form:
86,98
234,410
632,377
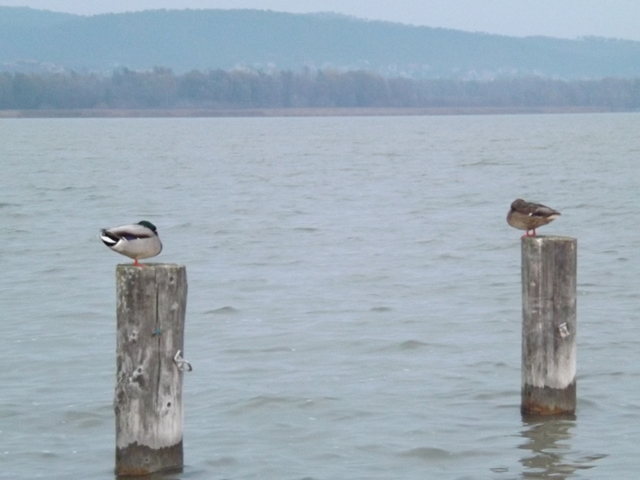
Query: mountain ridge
207,39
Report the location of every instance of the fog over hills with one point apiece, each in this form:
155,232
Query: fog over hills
185,40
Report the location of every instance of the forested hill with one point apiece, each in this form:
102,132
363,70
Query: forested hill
185,40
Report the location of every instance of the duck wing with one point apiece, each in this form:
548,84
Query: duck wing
128,232
538,210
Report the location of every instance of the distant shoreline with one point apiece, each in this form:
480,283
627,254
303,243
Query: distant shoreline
291,112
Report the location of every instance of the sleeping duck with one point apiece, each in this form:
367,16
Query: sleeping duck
136,241
529,216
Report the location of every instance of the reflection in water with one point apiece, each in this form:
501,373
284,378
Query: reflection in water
549,440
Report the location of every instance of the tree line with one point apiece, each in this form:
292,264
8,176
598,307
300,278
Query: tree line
160,88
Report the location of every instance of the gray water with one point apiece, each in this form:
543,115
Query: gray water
354,301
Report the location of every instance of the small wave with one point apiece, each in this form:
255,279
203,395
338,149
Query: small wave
305,229
495,395
47,454
449,256
264,401
52,270
277,350
182,226
595,456
84,419
426,453
403,346
380,309
499,469
483,163
238,351
425,241
223,462
222,311
412,345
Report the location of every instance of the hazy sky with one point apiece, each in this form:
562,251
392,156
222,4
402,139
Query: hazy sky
554,18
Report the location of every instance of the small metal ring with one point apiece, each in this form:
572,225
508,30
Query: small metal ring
563,330
181,363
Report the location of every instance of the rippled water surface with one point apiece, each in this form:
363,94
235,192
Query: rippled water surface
354,292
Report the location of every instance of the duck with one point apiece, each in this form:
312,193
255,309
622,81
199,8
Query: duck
135,241
528,216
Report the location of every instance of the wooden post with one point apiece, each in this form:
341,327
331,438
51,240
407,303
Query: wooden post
549,268
151,306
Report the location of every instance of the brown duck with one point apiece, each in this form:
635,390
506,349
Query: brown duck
529,216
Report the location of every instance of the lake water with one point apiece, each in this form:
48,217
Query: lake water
354,301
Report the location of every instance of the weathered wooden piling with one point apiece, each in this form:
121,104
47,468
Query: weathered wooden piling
549,270
151,306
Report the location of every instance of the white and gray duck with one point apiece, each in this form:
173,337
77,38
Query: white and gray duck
135,241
